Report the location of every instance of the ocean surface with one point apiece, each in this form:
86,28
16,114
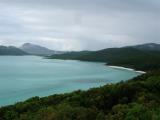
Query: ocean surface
22,77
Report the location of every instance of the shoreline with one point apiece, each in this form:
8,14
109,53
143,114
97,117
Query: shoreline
111,66
125,68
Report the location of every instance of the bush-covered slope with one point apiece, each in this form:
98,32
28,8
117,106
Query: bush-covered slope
11,51
127,57
136,99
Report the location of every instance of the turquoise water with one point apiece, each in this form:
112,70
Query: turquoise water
22,77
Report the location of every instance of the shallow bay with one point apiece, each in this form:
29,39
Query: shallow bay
22,77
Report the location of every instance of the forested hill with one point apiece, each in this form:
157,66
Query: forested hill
11,51
126,56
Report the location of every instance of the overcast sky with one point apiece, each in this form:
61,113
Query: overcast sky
79,24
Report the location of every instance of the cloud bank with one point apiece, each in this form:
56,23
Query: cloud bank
79,24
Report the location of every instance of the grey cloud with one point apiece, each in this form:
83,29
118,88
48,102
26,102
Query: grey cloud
79,24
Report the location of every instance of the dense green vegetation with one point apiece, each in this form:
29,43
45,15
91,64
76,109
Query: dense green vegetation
11,51
127,57
136,99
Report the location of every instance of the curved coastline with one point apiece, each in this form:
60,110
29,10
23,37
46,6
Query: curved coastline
49,68
125,68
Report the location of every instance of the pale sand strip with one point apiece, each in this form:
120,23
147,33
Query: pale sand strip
119,67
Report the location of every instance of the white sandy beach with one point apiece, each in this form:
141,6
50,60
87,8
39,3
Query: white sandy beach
119,67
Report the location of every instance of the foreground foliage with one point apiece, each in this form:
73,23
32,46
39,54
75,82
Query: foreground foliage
136,99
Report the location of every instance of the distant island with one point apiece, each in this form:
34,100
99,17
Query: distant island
34,49
27,49
11,50
135,99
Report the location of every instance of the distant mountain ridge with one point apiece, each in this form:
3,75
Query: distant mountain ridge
37,49
11,50
109,54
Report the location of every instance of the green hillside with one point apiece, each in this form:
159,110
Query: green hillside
127,57
11,51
